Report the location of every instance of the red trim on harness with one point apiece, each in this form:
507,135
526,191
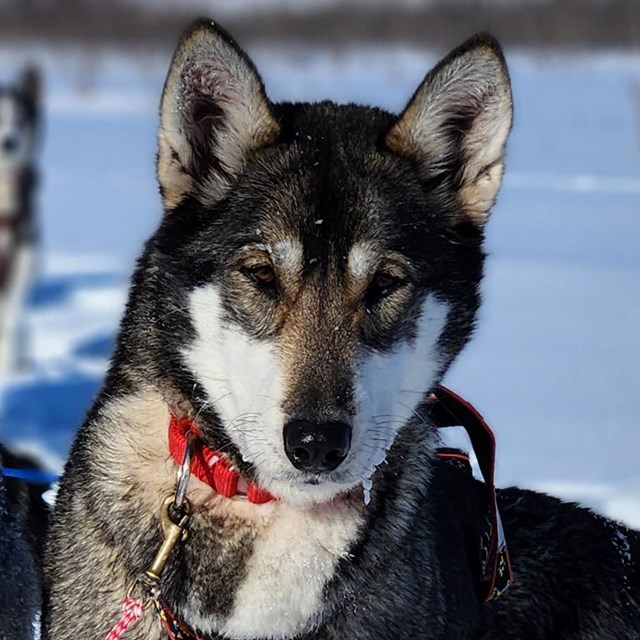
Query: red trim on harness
174,628
443,455
208,465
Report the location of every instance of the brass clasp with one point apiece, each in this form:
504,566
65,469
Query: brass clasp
174,529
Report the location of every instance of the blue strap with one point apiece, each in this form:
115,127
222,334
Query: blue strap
34,476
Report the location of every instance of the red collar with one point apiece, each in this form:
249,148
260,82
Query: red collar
208,465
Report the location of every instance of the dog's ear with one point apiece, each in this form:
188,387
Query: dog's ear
30,86
214,114
455,127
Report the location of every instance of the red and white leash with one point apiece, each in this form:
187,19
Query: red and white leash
132,611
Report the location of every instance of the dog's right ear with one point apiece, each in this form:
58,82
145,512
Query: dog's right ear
455,128
214,114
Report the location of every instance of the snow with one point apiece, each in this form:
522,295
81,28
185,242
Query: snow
555,363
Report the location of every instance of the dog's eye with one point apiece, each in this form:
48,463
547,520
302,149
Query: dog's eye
264,275
384,282
382,285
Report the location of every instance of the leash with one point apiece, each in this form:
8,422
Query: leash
174,629
31,476
132,611
447,409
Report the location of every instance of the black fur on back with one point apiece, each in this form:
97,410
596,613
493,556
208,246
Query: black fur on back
23,524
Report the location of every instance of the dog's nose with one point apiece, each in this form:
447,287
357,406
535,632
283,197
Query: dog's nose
10,144
316,447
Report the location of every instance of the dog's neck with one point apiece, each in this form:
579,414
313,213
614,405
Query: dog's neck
11,187
244,560
273,543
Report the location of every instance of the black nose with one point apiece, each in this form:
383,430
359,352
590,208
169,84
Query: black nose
316,447
10,144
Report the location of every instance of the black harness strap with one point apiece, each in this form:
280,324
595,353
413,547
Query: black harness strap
450,410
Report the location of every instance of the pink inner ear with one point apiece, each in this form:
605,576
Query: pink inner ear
204,79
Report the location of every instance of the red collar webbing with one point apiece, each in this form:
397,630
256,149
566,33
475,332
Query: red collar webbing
208,465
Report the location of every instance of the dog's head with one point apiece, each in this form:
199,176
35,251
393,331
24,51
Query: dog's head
19,110
318,265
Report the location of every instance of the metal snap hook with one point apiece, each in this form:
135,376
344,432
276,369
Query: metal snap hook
183,474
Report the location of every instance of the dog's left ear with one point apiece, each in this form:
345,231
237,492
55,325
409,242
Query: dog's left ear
30,85
456,126
214,114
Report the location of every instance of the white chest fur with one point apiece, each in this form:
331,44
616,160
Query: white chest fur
294,556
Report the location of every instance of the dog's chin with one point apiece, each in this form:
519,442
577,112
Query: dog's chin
309,494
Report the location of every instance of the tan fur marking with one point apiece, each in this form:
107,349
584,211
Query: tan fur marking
171,175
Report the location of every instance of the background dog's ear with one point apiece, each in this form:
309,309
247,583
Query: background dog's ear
30,86
214,113
456,125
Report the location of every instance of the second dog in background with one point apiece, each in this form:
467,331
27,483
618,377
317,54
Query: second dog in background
20,126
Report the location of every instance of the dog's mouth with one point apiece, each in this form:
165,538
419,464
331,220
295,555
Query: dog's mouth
302,493
301,487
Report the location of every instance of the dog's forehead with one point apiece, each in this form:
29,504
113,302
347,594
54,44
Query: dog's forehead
321,218
329,186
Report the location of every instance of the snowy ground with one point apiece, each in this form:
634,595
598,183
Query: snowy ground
555,364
